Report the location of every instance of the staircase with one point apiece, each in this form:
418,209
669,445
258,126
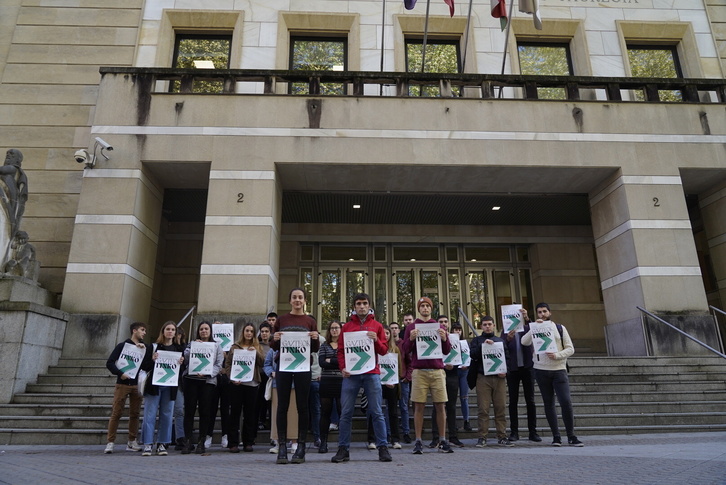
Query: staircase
612,395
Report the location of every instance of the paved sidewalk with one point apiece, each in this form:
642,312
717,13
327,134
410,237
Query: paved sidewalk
674,458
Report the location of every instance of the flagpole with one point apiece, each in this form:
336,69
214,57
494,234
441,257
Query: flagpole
506,41
466,37
383,39
425,39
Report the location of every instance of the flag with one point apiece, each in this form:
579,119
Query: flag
531,6
499,11
450,3
409,4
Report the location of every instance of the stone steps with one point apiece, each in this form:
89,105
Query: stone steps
71,403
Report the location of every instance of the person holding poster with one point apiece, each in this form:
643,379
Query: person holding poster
161,398
200,379
243,364
491,390
358,361
552,347
294,322
181,341
462,372
405,383
124,362
519,369
263,405
391,365
331,381
428,374
451,370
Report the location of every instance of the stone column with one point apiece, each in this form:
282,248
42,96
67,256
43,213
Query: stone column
240,259
112,258
647,257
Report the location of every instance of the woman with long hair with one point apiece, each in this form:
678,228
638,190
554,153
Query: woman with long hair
331,380
391,395
243,395
295,321
160,398
199,390
181,340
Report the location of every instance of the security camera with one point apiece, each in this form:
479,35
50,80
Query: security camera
82,156
103,144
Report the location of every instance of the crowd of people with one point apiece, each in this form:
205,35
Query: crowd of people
326,394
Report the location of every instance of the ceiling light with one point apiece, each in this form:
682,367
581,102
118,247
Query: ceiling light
413,259
496,208
201,64
356,206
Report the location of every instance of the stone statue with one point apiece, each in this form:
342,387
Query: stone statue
13,195
21,261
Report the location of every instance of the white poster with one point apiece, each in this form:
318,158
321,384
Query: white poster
201,358
166,368
130,359
223,334
389,368
428,341
465,353
493,358
512,318
543,337
243,365
360,355
454,355
294,352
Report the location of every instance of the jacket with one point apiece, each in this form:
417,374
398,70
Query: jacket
369,324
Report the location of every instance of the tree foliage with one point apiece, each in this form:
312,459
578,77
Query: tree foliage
440,57
318,55
545,60
654,62
196,48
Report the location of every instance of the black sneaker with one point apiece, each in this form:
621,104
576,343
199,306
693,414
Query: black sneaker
445,447
341,456
481,443
467,426
556,441
513,436
573,441
534,437
434,443
505,442
418,448
384,454
456,442
407,438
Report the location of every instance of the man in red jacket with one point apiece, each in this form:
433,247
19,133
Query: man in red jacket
373,338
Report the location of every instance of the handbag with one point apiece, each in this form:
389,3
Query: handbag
141,379
268,389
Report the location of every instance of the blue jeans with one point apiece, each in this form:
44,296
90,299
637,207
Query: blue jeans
464,392
371,384
165,406
403,406
179,414
314,405
551,382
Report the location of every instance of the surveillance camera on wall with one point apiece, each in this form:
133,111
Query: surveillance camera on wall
104,145
82,156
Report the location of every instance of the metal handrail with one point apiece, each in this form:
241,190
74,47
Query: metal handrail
682,332
717,309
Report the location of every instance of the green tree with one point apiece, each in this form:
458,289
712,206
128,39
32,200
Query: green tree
545,60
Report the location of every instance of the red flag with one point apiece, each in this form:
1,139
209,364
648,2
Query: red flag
450,3
499,11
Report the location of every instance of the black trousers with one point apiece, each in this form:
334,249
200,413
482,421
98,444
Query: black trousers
243,403
526,377
285,381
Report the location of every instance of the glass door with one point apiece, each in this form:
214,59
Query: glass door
337,288
411,284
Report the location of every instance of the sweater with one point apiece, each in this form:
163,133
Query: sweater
409,347
564,348
116,353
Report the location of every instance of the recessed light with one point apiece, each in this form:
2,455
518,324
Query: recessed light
351,259
473,260
413,259
496,208
356,206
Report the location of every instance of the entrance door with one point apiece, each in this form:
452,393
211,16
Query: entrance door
487,290
337,288
411,284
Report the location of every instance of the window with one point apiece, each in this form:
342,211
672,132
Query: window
545,60
442,56
658,62
318,54
202,52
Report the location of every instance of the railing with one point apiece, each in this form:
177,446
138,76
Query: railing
685,334
483,86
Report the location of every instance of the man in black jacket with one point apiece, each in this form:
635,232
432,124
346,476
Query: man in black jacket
490,389
127,386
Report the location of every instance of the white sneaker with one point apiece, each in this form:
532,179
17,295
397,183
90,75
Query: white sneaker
371,446
333,427
133,446
274,450
109,448
225,442
293,448
208,442
396,445
147,451
161,450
